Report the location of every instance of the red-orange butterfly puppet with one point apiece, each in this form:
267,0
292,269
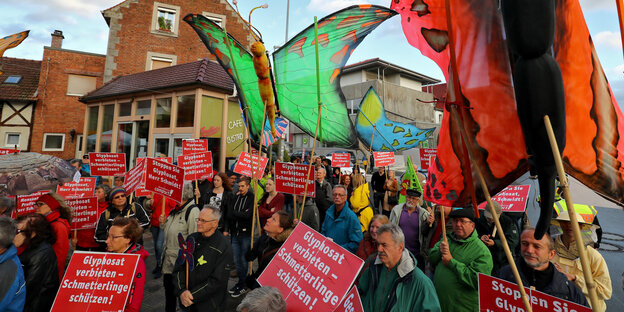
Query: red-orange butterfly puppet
594,150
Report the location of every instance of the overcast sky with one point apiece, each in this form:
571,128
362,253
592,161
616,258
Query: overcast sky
84,29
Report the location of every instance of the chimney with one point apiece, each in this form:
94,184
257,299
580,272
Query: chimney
57,39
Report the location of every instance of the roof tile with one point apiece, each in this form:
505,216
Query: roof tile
26,89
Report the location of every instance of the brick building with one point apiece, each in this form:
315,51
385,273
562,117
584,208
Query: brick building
143,35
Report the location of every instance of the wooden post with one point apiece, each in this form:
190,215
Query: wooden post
197,188
318,120
563,182
490,206
442,219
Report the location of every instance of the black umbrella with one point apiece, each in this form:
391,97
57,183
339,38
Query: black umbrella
26,173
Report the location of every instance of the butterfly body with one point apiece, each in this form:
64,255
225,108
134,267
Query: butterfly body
265,86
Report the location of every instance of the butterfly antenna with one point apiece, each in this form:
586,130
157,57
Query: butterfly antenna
259,37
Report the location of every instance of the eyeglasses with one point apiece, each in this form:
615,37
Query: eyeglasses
39,204
339,195
462,221
198,220
119,196
114,236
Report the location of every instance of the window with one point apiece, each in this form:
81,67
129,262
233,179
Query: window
79,85
159,62
12,140
53,142
186,111
92,128
165,19
163,113
144,107
125,109
107,128
13,79
216,18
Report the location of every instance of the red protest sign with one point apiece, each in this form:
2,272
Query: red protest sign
96,281
83,188
341,160
291,178
85,212
513,198
193,146
312,272
196,166
6,151
351,302
499,295
25,204
134,177
142,192
426,155
140,189
163,178
107,164
246,165
383,159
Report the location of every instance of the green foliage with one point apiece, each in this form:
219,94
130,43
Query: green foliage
164,24
286,157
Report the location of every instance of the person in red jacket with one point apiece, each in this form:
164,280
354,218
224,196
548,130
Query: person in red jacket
84,240
271,202
123,236
52,206
158,234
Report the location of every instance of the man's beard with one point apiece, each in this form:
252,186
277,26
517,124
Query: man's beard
533,265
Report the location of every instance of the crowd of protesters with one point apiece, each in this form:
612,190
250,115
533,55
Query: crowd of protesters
409,264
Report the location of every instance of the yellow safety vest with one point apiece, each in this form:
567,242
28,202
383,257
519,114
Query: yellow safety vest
588,212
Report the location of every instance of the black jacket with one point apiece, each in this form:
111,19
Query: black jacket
264,250
499,258
322,198
103,224
204,187
239,214
208,281
378,181
558,286
41,274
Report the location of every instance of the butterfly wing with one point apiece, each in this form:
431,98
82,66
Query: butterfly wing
295,72
237,62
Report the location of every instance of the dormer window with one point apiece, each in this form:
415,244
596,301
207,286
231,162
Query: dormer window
13,79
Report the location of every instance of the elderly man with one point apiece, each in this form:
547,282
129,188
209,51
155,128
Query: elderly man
392,282
341,224
263,299
12,284
485,229
458,260
323,193
537,271
119,207
567,260
413,221
207,285
123,237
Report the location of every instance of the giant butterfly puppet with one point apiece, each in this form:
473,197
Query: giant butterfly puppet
295,70
496,114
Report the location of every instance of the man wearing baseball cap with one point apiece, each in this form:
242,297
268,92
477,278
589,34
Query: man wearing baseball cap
458,259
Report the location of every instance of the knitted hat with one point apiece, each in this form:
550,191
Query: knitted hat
50,201
116,191
462,213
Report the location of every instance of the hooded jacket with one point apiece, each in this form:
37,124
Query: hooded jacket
411,291
240,214
311,215
213,259
138,282
423,226
12,285
457,283
103,224
177,223
345,229
60,227
42,278
360,204
264,250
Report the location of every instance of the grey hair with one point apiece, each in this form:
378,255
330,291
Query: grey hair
549,239
7,231
187,191
263,299
397,234
216,212
7,202
105,188
321,168
337,186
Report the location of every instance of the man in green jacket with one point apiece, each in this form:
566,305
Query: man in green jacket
393,282
457,260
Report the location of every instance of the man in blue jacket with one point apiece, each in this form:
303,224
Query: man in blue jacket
341,224
12,284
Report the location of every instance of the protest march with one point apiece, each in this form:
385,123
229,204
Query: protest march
198,165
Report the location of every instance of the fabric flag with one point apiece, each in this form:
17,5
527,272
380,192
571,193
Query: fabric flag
280,126
12,41
409,180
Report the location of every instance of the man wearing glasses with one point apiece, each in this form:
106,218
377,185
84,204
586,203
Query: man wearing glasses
119,207
457,260
341,224
207,285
